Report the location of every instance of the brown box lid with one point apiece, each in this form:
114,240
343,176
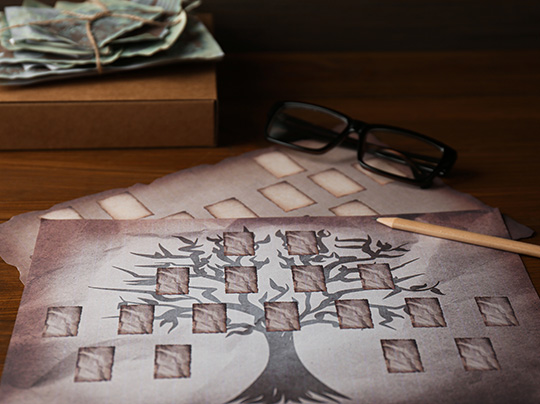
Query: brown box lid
171,105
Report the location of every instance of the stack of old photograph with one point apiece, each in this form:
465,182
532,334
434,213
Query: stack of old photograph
39,42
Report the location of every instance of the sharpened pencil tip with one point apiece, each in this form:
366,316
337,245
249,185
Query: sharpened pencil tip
387,221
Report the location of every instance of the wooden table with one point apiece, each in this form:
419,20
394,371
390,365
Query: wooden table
484,104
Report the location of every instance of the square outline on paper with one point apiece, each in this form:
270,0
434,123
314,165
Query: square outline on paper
135,309
183,215
316,178
281,202
67,213
335,210
139,204
232,285
180,288
481,343
245,239
307,238
292,316
415,362
508,320
346,321
182,351
387,281
315,283
74,319
416,312
217,310
103,371
212,209
262,160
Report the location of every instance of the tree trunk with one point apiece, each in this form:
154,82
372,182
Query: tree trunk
285,378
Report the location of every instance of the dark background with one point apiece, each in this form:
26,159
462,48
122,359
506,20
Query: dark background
372,25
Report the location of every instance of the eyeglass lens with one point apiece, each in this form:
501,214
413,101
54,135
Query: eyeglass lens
399,153
391,151
311,128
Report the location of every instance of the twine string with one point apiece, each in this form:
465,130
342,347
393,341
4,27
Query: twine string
89,20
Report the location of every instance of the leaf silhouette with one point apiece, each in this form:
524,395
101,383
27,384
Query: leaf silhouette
263,299
393,292
437,291
185,240
166,252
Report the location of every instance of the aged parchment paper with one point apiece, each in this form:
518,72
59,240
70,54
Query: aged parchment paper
309,309
266,183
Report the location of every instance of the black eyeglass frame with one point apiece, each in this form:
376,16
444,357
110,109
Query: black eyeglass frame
447,160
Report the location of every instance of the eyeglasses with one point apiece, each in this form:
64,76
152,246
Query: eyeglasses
393,152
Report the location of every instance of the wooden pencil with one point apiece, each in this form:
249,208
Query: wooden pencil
461,235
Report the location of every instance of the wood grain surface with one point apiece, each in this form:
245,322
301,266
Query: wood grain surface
485,104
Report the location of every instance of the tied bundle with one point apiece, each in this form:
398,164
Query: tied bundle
39,42
89,19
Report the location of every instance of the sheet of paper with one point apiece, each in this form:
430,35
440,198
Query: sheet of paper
273,310
269,182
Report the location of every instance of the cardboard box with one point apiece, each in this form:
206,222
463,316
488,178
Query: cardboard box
163,106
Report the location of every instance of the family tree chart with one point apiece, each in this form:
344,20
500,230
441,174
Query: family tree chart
273,310
313,269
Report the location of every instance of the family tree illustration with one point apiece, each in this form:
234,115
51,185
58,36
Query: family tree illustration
326,273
